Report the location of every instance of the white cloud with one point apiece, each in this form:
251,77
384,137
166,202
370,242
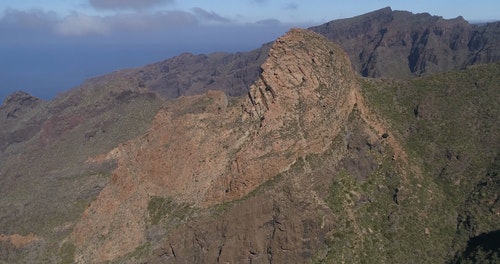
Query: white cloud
19,23
79,24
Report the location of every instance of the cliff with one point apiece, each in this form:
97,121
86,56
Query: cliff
206,150
399,44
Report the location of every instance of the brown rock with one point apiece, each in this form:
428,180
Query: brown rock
19,240
202,150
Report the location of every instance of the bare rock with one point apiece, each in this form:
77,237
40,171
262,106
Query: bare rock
304,94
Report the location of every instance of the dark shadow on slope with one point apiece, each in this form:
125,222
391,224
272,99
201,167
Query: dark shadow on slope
484,248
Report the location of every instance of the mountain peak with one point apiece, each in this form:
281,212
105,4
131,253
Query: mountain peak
306,82
385,10
300,61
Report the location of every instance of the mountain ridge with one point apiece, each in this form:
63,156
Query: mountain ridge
266,120
311,163
399,44
381,43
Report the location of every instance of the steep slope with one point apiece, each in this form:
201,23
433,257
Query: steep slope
205,150
399,44
44,182
301,170
449,123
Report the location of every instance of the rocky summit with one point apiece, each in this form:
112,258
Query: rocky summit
206,150
313,164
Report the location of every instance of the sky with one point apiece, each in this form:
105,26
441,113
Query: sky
48,46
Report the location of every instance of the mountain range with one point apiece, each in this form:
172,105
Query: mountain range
372,139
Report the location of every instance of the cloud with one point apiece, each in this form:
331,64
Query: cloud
79,24
209,16
27,20
16,25
127,4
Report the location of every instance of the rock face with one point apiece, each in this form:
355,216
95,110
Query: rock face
400,44
305,92
17,110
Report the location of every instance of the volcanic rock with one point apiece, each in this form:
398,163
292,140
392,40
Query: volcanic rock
399,44
205,150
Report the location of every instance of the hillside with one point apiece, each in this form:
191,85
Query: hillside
312,164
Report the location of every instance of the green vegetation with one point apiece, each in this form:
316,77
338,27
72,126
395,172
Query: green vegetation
449,124
163,210
443,118
67,253
137,256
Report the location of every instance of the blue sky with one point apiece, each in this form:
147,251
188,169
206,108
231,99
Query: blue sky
52,45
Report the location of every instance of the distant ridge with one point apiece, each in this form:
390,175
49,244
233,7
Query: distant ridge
387,43
189,74
382,43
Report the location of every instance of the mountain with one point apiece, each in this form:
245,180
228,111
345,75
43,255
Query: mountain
312,163
383,43
399,44
189,74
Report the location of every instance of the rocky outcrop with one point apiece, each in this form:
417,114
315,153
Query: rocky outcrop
296,108
16,117
14,103
383,43
399,44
